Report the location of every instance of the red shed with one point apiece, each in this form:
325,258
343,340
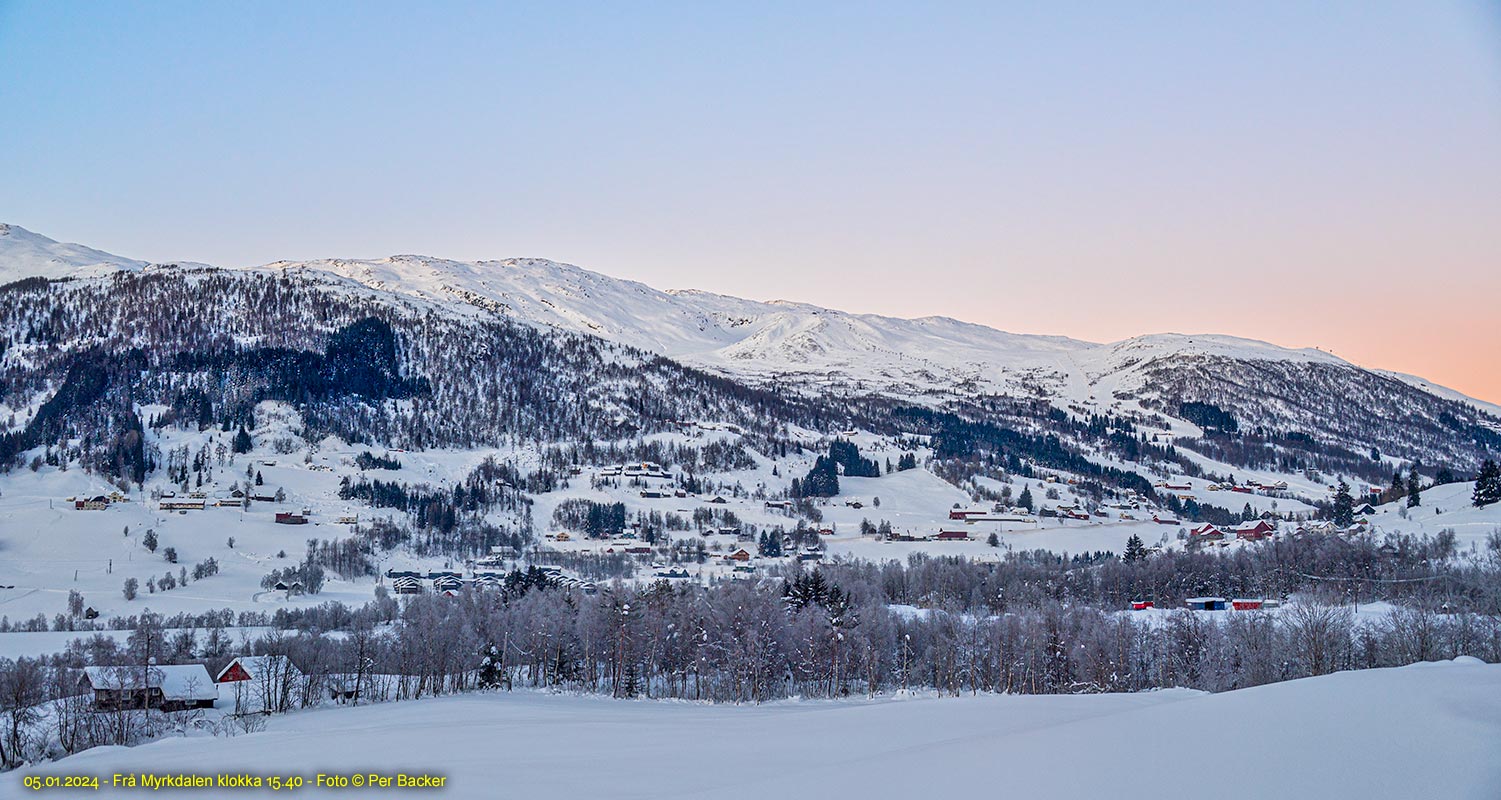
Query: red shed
1245,604
952,536
1141,605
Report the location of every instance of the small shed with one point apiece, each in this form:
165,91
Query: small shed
1246,604
1142,605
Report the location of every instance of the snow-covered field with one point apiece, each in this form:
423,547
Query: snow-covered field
1428,730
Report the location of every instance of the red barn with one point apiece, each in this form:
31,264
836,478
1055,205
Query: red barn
952,536
1245,605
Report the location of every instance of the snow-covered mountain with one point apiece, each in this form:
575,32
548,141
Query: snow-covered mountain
24,254
811,351
748,338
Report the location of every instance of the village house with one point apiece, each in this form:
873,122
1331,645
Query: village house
97,503
168,688
1207,533
1255,530
739,555
288,518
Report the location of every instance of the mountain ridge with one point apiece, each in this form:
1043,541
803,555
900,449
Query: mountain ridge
752,339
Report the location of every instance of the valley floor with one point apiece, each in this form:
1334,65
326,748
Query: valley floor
1428,730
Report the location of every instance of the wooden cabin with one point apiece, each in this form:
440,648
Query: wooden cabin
169,688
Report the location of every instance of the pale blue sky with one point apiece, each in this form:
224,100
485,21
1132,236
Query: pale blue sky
1274,170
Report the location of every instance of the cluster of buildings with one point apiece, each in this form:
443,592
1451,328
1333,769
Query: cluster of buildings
257,684
449,583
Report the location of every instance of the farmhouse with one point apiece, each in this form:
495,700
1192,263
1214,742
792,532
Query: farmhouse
98,503
1252,531
1207,533
169,688
288,518
739,555
1162,519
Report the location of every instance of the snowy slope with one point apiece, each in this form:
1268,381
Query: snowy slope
1428,730
24,254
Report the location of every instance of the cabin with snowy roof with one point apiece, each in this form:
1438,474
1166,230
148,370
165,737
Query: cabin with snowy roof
175,687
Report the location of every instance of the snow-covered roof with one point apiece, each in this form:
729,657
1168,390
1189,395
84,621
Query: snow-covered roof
176,682
259,666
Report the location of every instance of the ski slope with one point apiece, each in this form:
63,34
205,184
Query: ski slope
1428,730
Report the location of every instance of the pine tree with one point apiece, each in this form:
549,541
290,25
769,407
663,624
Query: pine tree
1025,501
1488,484
1344,506
1414,489
1135,550
241,442
489,667
993,540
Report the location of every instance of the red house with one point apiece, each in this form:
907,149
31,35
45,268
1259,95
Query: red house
1207,532
1260,529
1161,520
